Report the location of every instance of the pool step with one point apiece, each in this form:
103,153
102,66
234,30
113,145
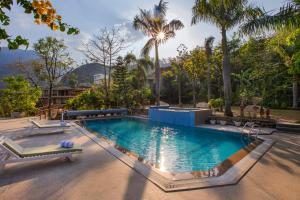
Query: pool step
291,127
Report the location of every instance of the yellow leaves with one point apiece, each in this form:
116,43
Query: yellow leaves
58,17
37,21
45,14
54,27
48,3
42,11
35,4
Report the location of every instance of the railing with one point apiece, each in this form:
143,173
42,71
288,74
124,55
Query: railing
43,112
252,130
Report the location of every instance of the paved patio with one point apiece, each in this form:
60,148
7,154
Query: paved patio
96,174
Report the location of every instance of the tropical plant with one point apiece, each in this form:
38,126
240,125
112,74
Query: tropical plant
244,78
43,12
287,46
288,16
154,25
169,85
93,98
18,96
216,103
139,67
195,65
208,44
225,14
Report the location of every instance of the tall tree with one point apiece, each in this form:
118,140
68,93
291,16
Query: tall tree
96,51
225,14
208,44
154,25
195,66
104,48
121,85
115,44
55,62
178,69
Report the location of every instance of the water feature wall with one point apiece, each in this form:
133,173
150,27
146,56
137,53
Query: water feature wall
179,116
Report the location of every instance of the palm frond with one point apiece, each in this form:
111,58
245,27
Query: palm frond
143,22
146,63
288,16
160,9
208,45
148,46
204,11
174,25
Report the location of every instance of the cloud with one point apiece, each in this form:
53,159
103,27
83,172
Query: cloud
91,15
128,32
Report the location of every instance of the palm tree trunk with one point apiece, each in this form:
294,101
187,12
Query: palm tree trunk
157,75
208,82
226,74
179,90
194,93
295,91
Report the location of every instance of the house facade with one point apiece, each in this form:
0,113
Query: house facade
61,94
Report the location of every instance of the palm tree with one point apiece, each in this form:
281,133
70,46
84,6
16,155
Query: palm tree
208,44
154,25
225,14
141,66
287,17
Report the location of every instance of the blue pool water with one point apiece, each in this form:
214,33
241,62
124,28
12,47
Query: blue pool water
174,148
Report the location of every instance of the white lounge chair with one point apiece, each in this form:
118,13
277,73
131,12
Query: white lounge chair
57,125
11,152
37,132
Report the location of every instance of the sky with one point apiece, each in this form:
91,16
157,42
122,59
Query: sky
90,16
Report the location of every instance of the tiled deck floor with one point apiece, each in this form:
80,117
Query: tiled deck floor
99,175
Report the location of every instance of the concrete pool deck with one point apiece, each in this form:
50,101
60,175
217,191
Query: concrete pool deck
96,174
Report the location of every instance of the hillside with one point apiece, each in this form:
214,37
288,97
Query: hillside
84,74
9,57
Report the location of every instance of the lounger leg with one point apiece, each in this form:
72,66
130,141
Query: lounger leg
2,168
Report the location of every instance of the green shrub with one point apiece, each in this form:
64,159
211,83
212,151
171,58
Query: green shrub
18,96
89,99
216,103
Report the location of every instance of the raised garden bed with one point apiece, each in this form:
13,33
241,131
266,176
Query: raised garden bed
230,120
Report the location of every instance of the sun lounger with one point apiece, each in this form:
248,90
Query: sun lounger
37,132
57,125
11,152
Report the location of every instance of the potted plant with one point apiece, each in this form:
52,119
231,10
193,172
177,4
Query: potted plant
237,123
213,121
223,122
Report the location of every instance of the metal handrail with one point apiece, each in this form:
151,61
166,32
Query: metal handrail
251,125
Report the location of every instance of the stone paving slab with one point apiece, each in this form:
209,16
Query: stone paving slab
96,174
263,131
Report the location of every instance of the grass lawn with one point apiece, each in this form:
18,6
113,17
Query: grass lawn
278,114
292,116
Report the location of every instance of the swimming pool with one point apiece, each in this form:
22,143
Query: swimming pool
171,148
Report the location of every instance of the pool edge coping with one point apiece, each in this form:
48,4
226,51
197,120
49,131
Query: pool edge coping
230,177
